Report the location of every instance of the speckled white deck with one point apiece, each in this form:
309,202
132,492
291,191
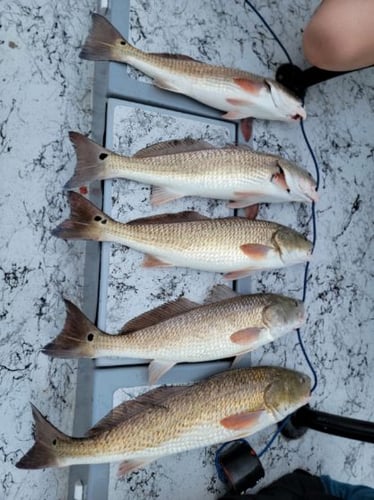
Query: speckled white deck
45,91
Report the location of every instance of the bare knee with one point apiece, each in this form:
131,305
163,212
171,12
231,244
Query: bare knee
326,47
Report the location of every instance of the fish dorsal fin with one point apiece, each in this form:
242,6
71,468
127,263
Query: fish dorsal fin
173,147
161,313
220,292
128,409
179,57
187,216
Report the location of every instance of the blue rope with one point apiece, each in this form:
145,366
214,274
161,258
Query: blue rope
306,270
314,238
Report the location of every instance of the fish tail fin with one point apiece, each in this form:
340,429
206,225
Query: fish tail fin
77,338
86,221
91,161
43,453
104,42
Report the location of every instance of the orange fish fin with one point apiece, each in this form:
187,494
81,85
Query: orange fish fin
128,466
246,127
157,369
246,336
238,102
248,85
161,313
187,216
220,292
252,211
173,147
244,420
152,261
155,398
162,195
255,251
236,275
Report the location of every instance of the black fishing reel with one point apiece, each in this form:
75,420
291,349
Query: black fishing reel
238,465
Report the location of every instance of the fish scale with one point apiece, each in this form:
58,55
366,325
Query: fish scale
172,419
195,168
185,421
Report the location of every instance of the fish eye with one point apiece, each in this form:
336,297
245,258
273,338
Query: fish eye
90,337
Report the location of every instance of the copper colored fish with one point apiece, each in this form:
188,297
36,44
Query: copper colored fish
238,93
173,419
196,168
234,245
184,331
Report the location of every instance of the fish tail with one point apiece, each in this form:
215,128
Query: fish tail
77,338
86,221
104,42
92,161
43,453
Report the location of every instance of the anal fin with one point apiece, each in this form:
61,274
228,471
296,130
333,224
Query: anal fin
128,466
236,275
163,84
162,195
152,261
157,369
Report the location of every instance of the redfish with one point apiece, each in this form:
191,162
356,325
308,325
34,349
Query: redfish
169,420
183,331
235,246
238,93
196,168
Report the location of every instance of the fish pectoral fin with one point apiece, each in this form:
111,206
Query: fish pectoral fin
250,86
128,466
152,261
236,275
246,336
255,251
245,420
163,84
162,195
158,368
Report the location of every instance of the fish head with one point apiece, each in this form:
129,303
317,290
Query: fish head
287,106
287,392
299,182
292,246
283,314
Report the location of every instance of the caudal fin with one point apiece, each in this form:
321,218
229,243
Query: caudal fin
78,337
91,161
86,221
104,42
44,452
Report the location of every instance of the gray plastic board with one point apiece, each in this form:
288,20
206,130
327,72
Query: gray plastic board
127,289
